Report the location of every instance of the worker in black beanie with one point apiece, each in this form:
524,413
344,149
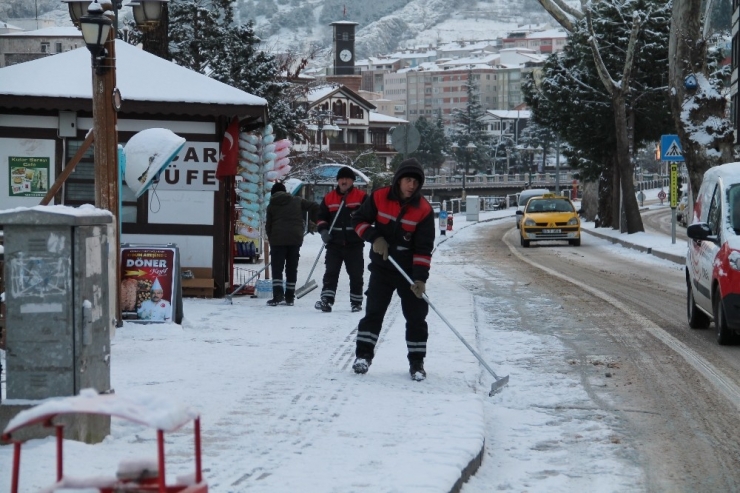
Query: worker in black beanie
284,227
342,243
399,222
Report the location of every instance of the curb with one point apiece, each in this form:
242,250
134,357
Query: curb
678,259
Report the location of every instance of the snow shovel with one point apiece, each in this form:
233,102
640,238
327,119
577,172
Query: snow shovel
310,284
495,386
230,296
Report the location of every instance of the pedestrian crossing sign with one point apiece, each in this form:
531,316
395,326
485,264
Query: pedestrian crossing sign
670,148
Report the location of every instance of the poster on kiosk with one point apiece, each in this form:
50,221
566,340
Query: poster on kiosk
149,284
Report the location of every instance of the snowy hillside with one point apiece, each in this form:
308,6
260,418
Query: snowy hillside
384,26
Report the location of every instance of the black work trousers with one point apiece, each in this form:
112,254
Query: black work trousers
284,257
354,263
379,292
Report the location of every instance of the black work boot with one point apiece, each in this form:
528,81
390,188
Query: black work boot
416,370
361,365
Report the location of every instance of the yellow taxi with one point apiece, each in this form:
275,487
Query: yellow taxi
549,217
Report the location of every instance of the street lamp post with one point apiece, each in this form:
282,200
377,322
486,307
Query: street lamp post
324,121
469,149
99,28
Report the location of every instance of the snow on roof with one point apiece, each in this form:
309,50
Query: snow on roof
319,93
509,114
550,33
69,32
725,171
153,410
140,76
376,117
5,25
81,211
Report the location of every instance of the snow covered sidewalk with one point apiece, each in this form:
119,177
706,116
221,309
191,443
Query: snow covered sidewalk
281,408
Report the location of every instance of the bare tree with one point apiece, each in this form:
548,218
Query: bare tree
705,133
618,91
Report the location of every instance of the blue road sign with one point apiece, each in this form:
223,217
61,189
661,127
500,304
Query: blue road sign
670,148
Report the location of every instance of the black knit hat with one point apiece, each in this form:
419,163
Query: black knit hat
409,167
346,172
278,187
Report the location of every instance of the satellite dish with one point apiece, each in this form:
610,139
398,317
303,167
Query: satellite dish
147,154
405,139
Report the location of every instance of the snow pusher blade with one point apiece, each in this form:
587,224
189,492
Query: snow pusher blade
500,382
306,288
310,284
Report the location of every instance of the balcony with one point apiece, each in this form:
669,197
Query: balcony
342,147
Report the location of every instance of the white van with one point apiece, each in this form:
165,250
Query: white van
524,196
713,254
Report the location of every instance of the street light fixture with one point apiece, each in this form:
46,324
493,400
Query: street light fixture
95,29
100,40
323,125
469,150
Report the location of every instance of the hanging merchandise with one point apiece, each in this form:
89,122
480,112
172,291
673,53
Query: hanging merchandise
262,161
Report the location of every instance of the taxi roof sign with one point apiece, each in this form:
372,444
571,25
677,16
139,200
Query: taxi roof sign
670,148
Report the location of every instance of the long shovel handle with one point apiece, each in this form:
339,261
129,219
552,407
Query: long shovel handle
341,204
470,348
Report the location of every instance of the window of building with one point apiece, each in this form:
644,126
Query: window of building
345,36
79,188
59,47
356,112
44,47
339,108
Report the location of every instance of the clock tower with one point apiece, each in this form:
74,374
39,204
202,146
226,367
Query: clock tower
344,47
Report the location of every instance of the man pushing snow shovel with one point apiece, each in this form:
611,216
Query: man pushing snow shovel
399,223
342,243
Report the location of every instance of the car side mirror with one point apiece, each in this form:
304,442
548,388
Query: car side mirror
519,213
700,231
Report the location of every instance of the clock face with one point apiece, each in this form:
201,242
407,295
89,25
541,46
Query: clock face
345,55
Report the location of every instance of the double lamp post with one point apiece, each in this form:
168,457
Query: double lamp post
98,21
469,150
323,123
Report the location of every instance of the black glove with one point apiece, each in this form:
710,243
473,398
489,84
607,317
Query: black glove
325,236
419,288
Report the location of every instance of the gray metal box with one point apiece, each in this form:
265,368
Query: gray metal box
67,124
58,314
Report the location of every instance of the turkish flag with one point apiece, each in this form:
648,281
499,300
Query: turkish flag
227,163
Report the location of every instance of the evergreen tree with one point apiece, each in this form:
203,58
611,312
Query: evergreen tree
196,29
211,44
468,127
570,98
432,145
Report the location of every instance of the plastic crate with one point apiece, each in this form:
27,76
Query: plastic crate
240,277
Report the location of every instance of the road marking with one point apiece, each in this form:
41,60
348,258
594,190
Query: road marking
720,381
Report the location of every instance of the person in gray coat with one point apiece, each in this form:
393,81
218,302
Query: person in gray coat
284,227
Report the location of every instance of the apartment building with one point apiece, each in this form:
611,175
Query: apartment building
734,95
545,41
22,46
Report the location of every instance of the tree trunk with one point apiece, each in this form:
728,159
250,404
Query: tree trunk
605,199
614,195
687,55
625,165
